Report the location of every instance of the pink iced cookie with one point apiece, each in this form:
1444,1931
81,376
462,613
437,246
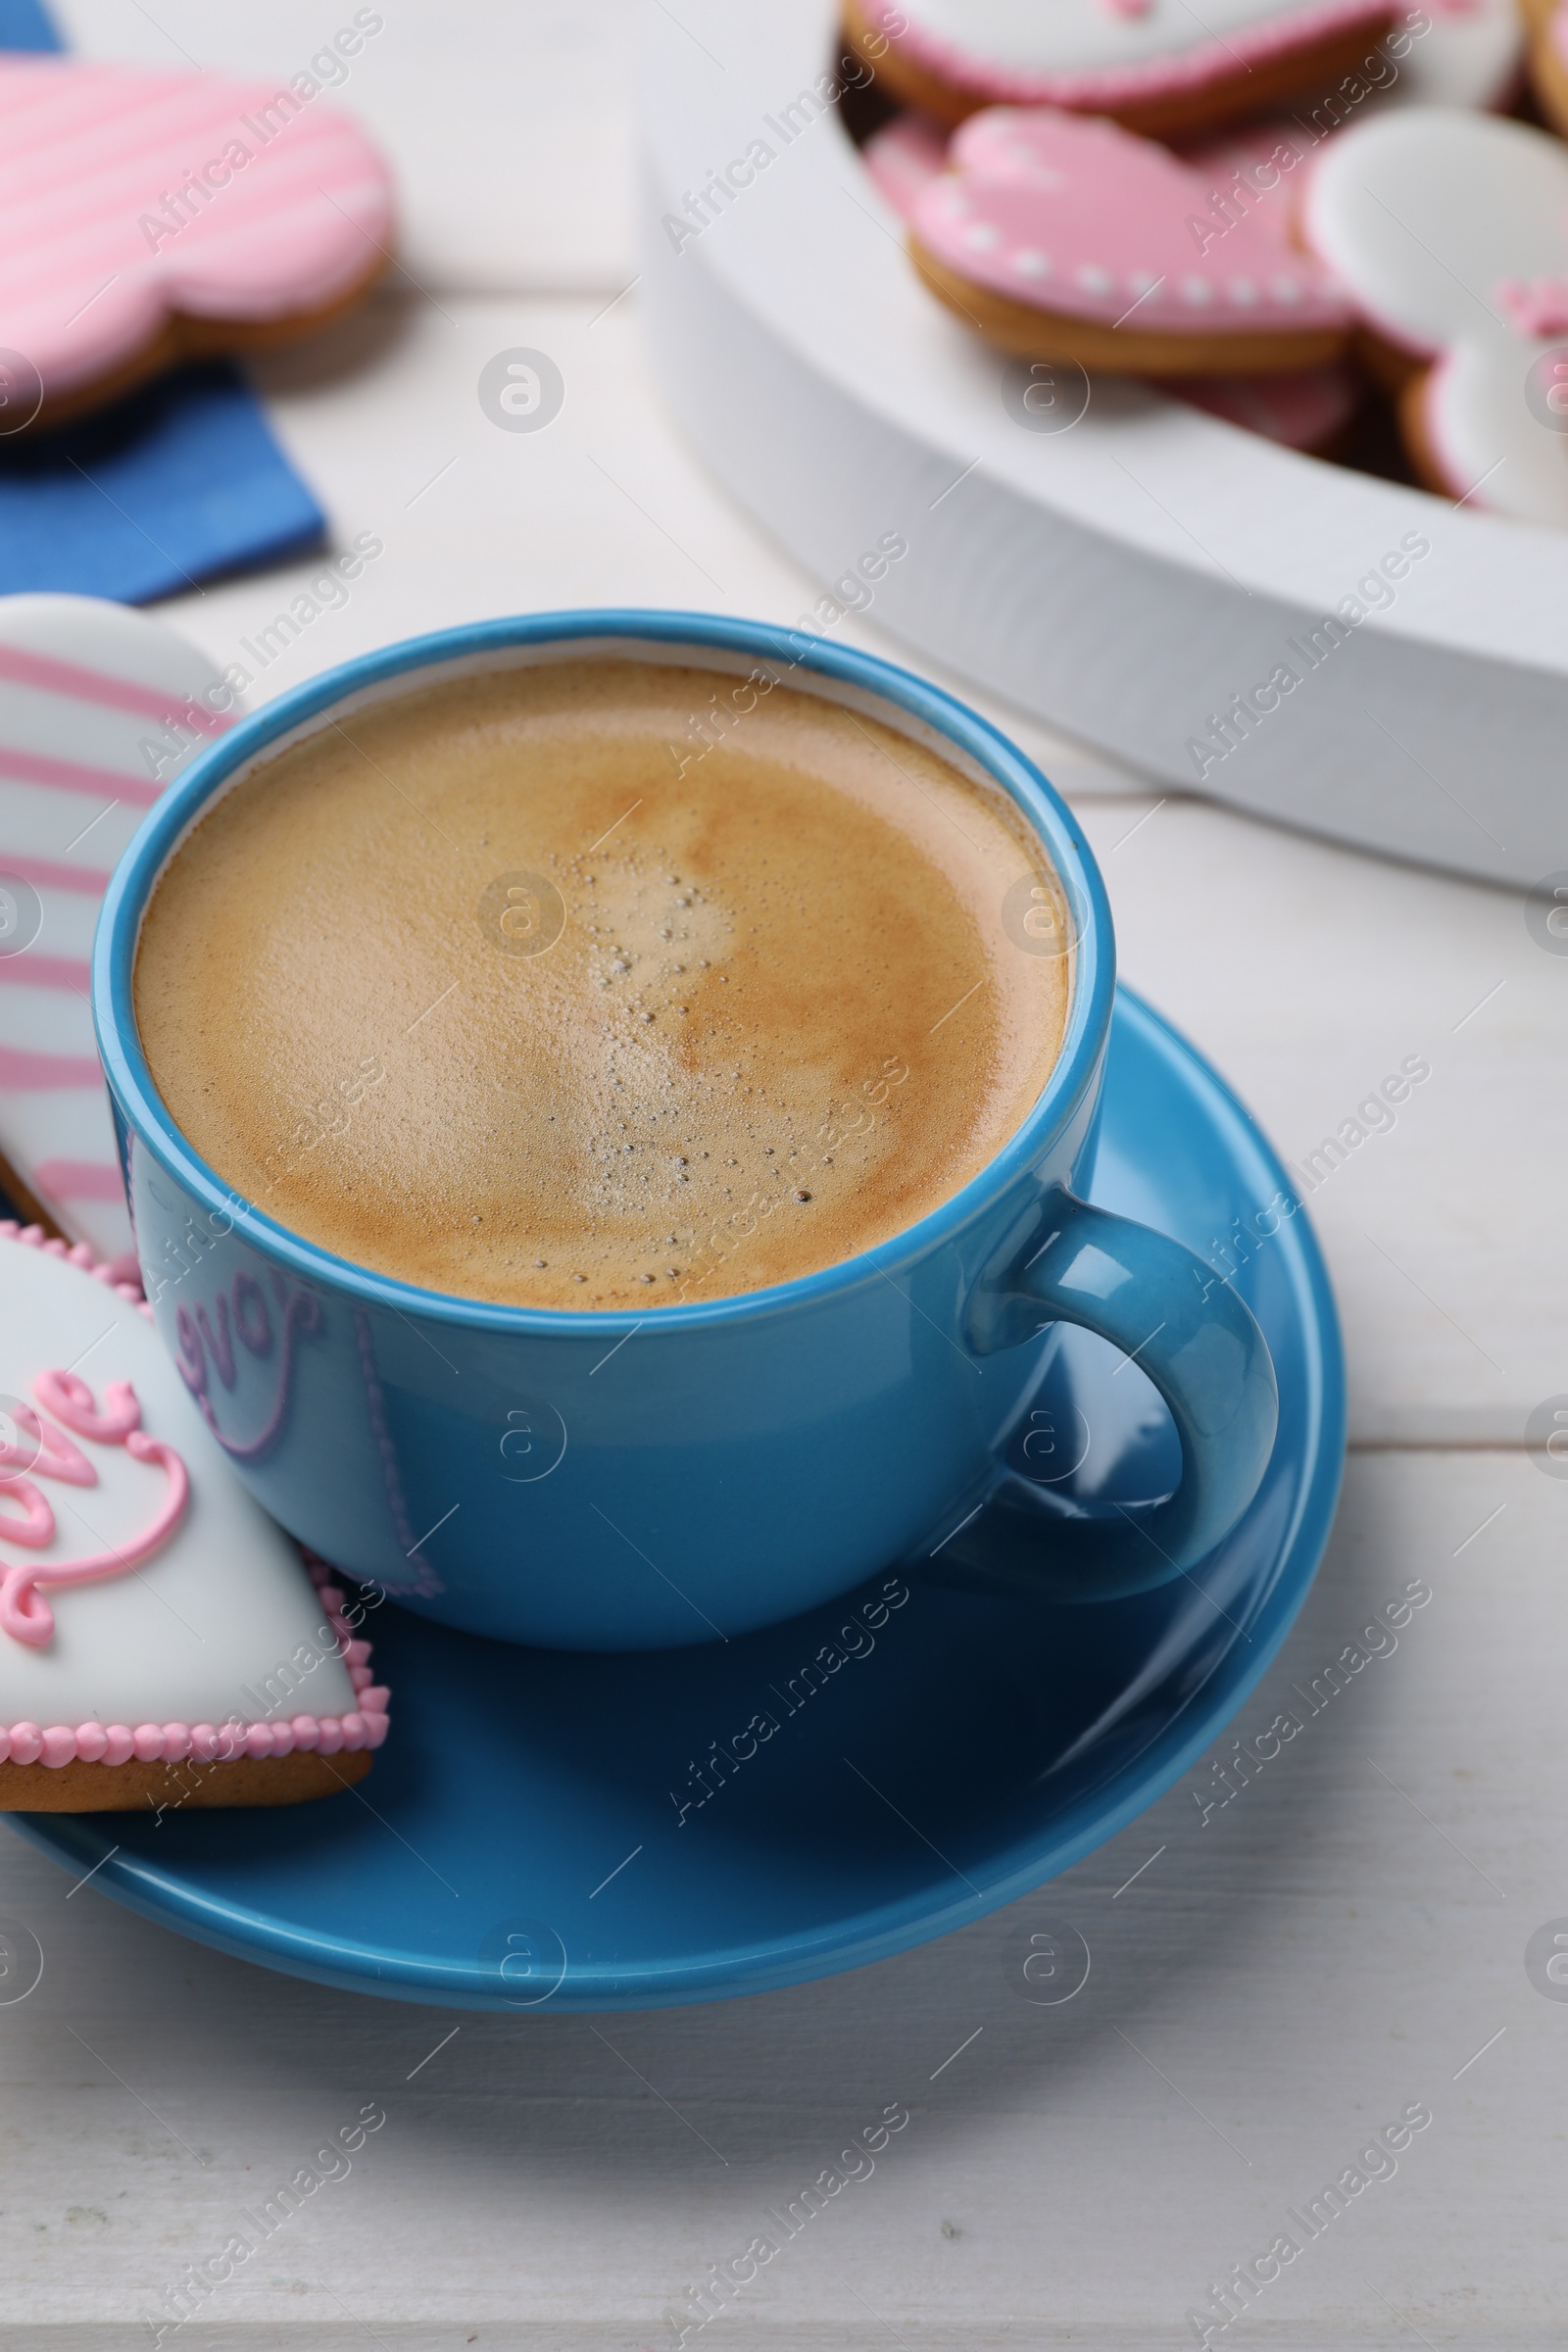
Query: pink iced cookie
1158,66
904,156
147,217
1262,164
1450,234
1065,238
1307,411
100,708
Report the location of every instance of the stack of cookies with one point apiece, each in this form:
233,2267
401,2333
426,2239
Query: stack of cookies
1307,216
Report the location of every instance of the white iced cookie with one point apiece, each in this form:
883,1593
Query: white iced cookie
1459,53
1454,52
1448,232
1466,53
160,1642
1158,66
100,708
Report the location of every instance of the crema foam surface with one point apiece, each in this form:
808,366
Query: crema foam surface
508,988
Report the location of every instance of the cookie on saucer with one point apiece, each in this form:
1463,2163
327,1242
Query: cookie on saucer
1056,237
1156,65
100,708
162,1644
147,218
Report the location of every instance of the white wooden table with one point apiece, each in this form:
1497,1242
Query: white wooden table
1344,1940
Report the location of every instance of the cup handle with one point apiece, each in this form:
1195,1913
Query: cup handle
1202,1347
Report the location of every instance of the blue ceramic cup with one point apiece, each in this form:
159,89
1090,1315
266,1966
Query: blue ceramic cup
600,1481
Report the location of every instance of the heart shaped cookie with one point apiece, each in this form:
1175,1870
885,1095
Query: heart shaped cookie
1448,232
161,1644
1061,237
150,218
1156,65
1308,409
100,708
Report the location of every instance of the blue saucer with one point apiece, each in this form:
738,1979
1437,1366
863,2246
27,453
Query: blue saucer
522,1842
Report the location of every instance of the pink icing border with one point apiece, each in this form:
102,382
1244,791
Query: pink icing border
1102,89
364,1726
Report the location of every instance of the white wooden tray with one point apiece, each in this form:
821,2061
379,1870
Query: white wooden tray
1125,579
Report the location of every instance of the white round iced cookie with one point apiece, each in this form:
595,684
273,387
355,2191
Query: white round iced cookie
100,708
1453,53
1467,53
160,1639
1448,232
1459,53
1158,66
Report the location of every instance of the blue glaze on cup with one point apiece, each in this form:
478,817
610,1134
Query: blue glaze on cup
604,1481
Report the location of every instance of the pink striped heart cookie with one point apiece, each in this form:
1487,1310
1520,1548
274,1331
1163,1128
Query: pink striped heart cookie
160,1642
1060,237
100,708
150,218
1156,65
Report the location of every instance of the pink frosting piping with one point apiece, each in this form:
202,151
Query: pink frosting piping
25,1613
1102,89
362,1725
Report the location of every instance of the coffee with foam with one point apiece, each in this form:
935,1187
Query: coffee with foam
507,986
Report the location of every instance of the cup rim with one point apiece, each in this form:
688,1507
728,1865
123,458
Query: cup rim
161,831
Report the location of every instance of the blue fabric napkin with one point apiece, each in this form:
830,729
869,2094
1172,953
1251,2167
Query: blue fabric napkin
174,484
27,25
